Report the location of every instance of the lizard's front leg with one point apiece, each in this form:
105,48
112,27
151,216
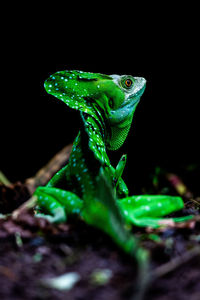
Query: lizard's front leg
119,185
119,169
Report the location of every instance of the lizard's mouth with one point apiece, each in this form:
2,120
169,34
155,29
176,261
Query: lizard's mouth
124,111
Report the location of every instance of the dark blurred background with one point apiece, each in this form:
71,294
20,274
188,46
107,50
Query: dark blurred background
155,41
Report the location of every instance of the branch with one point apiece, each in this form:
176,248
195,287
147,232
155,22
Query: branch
175,263
179,185
45,174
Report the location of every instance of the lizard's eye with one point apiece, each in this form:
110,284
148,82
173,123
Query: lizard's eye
128,83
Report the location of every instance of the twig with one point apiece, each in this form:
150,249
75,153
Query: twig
29,204
4,179
195,201
44,174
42,177
175,263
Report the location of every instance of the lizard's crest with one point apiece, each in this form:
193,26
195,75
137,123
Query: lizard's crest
74,89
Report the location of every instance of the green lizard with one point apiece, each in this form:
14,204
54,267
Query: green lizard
89,185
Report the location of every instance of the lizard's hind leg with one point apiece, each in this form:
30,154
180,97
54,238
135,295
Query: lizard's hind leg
57,203
148,210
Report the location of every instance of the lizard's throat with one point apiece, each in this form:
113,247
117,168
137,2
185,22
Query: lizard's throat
116,135
114,132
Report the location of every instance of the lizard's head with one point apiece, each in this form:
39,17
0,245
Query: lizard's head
111,99
121,115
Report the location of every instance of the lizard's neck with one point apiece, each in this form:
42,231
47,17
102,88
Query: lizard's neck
93,134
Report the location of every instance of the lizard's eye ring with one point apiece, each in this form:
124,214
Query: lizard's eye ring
128,83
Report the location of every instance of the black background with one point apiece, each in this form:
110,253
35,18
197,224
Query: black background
155,41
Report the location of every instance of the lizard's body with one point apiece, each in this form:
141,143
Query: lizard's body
89,185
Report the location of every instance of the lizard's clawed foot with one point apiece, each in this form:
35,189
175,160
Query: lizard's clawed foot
57,203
